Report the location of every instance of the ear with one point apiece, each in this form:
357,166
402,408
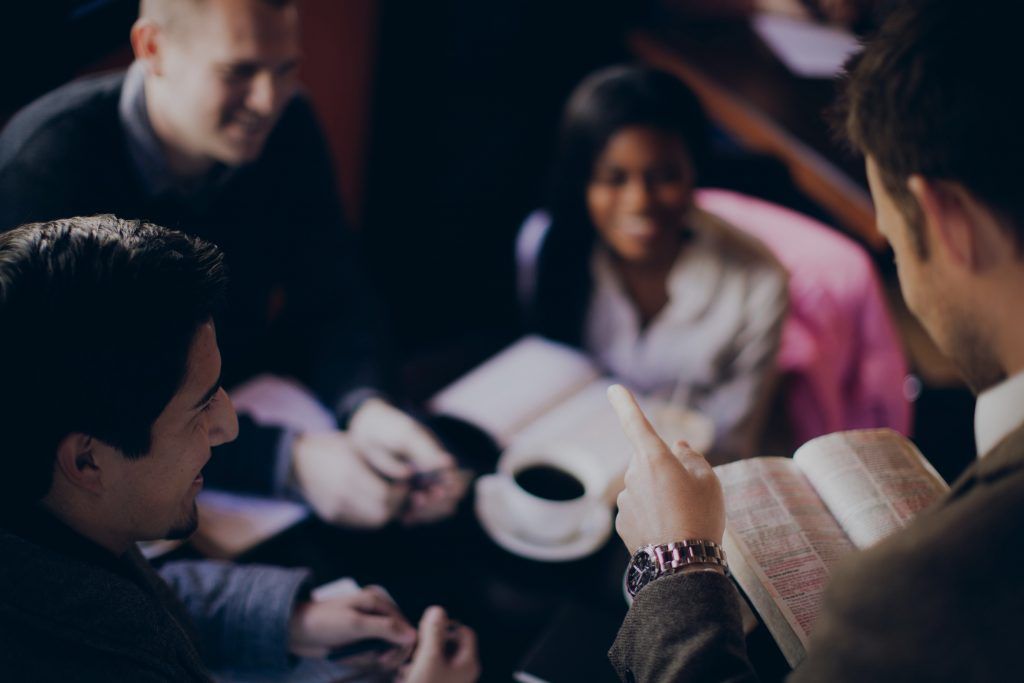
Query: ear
147,44
949,220
77,462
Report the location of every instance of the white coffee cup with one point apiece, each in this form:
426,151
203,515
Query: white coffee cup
543,520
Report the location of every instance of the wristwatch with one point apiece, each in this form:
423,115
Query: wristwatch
654,561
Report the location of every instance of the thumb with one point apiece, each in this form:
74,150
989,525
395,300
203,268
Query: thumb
423,449
694,461
386,462
389,627
429,654
433,626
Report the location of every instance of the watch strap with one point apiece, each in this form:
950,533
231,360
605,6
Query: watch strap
671,557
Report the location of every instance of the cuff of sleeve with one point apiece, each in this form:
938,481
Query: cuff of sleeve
264,614
670,618
284,483
347,406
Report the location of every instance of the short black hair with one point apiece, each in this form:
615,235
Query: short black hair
98,315
604,103
936,92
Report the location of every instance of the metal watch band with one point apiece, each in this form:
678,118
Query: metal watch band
671,557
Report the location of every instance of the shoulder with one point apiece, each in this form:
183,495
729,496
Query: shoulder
949,578
740,252
55,598
57,121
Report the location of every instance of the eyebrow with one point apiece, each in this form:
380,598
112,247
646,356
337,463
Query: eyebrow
208,395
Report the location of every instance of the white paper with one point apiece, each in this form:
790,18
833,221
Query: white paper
807,49
515,387
873,480
777,520
230,524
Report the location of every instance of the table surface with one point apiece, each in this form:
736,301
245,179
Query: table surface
507,599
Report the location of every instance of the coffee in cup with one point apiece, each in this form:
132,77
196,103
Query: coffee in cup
549,482
547,492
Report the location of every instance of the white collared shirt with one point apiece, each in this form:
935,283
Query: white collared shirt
713,344
998,412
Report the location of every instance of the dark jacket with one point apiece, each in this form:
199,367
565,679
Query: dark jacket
297,304
72,611
938,601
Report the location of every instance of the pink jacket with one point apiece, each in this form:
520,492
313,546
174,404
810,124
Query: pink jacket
841,358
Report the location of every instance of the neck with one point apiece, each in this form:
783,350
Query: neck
183,164
1000,311
74,517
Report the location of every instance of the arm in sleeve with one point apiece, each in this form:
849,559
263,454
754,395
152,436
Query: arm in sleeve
739,402
683,628
331,316
241,612
37,189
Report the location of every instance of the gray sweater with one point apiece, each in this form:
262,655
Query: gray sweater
70,610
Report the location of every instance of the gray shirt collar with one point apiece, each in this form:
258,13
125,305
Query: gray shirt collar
146,150
143,145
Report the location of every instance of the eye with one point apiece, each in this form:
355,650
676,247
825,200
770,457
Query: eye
238,73
610,176
209,404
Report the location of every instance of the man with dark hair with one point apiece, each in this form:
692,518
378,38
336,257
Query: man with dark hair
932,104
111,403
208,132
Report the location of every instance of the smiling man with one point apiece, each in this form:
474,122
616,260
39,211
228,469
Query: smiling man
933,102
110,407
208,131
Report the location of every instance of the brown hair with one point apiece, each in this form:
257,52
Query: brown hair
935,92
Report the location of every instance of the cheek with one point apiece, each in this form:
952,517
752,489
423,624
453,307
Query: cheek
675,197
600,206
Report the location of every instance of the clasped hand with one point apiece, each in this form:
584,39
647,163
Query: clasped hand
442,651
364,477
670,494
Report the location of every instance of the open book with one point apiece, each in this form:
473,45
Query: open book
540,394
791,520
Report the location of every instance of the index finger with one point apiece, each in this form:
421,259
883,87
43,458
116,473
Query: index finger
639,431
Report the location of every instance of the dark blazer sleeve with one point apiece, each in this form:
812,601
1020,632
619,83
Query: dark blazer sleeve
683,628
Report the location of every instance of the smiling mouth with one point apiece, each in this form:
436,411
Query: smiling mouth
644,230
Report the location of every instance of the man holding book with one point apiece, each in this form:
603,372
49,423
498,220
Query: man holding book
941,598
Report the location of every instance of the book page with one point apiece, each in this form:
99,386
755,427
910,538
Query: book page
786,541
873,480
231,523
516,386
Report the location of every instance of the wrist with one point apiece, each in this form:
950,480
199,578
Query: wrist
651,562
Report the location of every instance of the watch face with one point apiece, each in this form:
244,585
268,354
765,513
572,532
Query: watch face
641,571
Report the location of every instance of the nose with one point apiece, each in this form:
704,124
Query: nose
224,425
638,196
263,94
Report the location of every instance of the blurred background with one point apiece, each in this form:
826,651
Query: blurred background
442,118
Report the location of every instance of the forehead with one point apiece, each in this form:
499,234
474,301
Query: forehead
201,371
640,144
243,30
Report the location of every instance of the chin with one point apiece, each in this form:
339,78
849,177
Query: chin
184,527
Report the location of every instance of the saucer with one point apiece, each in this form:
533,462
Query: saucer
596,529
